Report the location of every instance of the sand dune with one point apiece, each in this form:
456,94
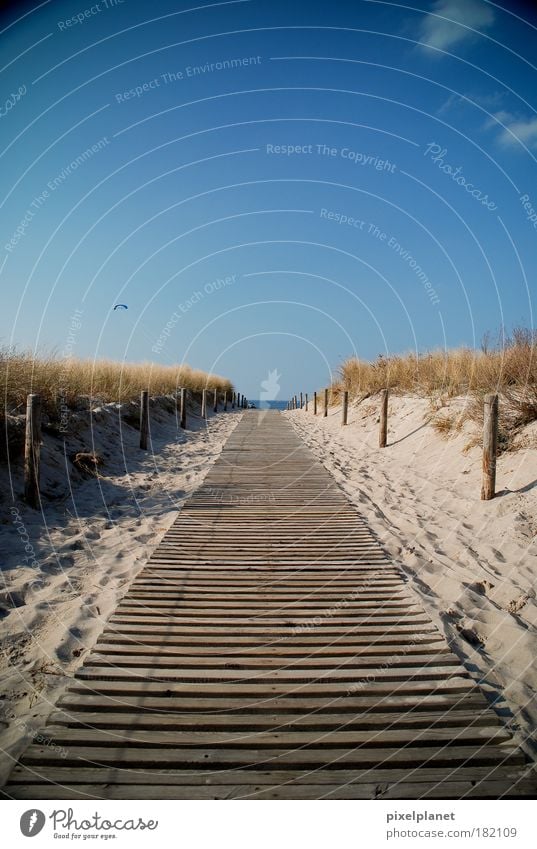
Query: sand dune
95,533
473,563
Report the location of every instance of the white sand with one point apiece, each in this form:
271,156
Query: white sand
472,563
84,549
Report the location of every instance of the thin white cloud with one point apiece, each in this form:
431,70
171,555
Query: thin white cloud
451,103
454,21
456,102
518,130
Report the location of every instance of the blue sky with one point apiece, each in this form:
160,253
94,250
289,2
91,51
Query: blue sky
266,185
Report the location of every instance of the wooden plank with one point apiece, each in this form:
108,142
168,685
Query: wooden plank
270,778
166,757
173,720
435,789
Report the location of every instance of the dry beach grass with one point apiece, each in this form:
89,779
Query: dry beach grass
508,367
103,380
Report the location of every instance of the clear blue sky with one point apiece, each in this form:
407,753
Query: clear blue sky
290,184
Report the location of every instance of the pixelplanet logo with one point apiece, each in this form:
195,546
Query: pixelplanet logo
32,822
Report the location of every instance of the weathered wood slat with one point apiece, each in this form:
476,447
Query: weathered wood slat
270,649
172,720
439,789
167,757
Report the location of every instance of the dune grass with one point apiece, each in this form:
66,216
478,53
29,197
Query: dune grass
101,380
508,367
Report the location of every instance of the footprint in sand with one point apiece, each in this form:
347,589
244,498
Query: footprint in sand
92,534
143,538
56,567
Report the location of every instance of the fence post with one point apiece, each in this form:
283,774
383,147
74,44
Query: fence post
225,402
232,400
183,409
345,409
306,402
490,446
32,450
144,418
325,403
215,407
383,427
314,403
301,401
204,404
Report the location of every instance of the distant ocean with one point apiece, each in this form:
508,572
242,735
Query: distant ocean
269,405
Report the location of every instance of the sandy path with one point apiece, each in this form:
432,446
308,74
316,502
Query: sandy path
473,563
84,549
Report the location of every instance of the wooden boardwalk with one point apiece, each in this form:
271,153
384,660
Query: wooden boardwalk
270,650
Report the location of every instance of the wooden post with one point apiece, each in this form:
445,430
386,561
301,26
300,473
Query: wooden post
306,402
183,409
232,400
204,404
490,446
301,401
383,427
144,419
225,402
32,450
314,403
215,406
345,409
325,403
